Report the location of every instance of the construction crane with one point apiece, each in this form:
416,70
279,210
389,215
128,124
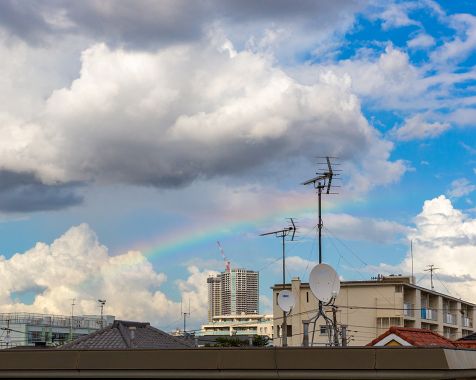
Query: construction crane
225,260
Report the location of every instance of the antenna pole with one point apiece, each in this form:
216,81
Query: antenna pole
282,234
71,322
284,327
319,192
411,251
431,269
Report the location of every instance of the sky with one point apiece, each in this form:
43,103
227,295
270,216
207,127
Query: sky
134,135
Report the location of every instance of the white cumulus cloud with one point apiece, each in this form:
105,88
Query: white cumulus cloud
77,266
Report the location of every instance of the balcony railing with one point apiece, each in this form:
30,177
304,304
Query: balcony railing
408,310
449,318
466,322
429,314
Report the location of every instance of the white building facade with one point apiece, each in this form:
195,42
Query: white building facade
28,329
239,325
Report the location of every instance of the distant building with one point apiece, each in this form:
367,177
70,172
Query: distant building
233,292
28,329
369,308
239,325
122,335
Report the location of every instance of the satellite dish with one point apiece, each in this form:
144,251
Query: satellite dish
324,282
286,300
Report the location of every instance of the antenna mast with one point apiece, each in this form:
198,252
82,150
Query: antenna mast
282,234
321,182
225,260
101,305
431,269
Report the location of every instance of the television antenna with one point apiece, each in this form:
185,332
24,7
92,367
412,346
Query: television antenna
283,233
322,182
431,269
323,279
225,260
185,315
101,305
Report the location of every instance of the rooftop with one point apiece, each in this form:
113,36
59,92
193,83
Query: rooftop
127,335
415,337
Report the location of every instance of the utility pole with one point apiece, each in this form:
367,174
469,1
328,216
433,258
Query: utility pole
431,269
334,319
8,338
185,314
101,305
71,321
282,234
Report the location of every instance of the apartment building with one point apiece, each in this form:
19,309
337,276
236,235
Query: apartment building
233,292
369,308
30,329
239,325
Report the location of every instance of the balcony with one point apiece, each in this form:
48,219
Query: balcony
408,310
429,314
466,322
449,318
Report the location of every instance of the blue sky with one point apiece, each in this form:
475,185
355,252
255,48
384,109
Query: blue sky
133,137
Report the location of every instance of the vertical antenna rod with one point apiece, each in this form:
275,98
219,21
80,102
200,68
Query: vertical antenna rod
411,252
431,269
321,182
282,234
71,322
101,305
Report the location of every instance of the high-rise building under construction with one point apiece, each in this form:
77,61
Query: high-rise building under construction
233,292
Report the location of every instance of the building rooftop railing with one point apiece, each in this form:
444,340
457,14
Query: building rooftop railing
51,320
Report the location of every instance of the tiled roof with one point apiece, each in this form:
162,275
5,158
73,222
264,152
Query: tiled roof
126,335
416,337
468,337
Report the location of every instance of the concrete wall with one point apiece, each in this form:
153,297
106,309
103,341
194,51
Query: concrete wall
239,363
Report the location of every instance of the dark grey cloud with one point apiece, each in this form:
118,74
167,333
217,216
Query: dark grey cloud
23,192
152,23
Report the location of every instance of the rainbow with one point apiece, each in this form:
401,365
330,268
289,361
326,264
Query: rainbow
294,204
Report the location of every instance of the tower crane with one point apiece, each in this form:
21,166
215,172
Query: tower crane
227,263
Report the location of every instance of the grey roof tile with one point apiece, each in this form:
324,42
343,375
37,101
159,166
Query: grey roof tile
119,336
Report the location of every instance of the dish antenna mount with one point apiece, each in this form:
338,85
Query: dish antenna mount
290,230
323,280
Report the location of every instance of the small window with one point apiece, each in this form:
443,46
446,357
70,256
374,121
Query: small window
398,288
323,329
289,330
307,296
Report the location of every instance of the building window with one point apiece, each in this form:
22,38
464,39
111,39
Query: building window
289,330
398,288
386,322
307,296
323,329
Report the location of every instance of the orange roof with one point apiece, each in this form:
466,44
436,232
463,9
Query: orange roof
465,343
416,337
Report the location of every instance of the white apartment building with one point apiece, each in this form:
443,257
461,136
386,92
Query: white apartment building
239,325
233,292
28,329
368,308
